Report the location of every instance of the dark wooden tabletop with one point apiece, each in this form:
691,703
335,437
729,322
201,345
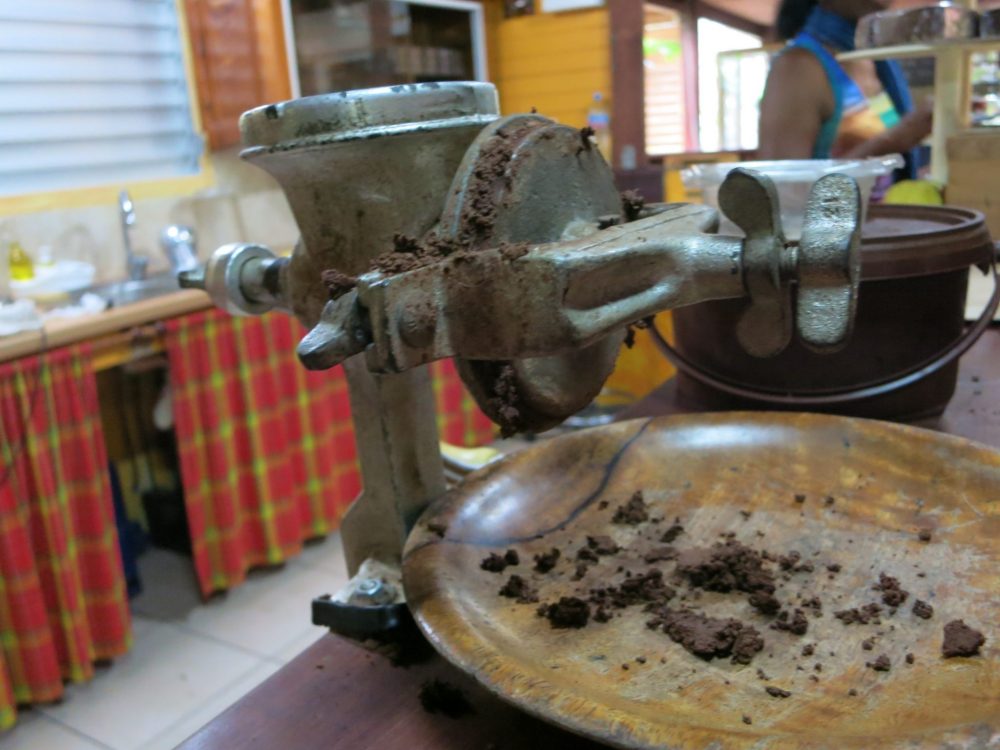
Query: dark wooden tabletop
339,696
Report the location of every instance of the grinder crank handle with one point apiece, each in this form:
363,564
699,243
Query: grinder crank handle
555,297
825,265
566,295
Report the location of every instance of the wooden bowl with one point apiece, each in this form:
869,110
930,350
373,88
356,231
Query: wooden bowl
721,473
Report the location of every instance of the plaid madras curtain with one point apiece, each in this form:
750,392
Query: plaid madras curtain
63,602
266,447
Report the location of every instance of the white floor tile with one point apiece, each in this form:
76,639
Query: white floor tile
34,731
271,609
169,673
191,722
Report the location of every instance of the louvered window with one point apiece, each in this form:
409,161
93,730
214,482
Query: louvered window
92,92
664,81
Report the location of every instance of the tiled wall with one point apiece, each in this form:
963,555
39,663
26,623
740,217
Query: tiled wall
244,205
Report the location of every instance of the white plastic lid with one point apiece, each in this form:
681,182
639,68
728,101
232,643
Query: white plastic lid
700,176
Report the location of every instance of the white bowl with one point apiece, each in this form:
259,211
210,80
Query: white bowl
61,277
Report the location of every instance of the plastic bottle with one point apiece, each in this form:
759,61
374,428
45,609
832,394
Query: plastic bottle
21,267
599,120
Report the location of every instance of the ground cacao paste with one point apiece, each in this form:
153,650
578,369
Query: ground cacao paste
893,594
633,512
546,561
647,588
568,612
338,283
727,567
961,640
517,588
709,637
440,697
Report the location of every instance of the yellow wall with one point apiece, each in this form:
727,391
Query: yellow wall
552,61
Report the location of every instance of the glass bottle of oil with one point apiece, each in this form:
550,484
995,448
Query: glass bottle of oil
21,267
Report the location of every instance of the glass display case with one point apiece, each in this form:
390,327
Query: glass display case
352,44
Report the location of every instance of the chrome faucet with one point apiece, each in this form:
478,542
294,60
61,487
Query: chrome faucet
135,265
179,243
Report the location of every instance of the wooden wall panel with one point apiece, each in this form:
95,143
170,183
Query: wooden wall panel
552,61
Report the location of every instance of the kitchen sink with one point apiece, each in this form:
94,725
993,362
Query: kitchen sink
120,293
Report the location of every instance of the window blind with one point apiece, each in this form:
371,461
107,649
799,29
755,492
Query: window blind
92,93
664,82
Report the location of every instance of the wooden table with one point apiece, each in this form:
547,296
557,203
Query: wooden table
338,696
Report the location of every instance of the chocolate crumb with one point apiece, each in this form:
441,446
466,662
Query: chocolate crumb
580,572
860,615
868,644
438,696
799,498
909,659
602,545
834,567
632,204
795,623
673,532
511,251
747,719
633,512
602,505
338,283
893,595
640,659
505,401
709,637
764,602
881,663
647,588
659,554
568,612
961,640
511,557
922,609
494,563
829,500
808,650
437,528
776,692
546,561
586,134
852,691
924,535
517,588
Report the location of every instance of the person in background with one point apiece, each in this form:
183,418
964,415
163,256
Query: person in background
817,108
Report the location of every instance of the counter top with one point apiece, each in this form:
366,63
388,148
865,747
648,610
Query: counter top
64,331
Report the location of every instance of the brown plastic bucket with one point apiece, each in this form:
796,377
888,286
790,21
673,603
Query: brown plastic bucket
902,359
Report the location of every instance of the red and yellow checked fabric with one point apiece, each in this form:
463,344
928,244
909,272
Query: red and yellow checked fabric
460,422
266,447
63,602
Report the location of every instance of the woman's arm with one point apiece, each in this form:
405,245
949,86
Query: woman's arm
797,100
912,129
